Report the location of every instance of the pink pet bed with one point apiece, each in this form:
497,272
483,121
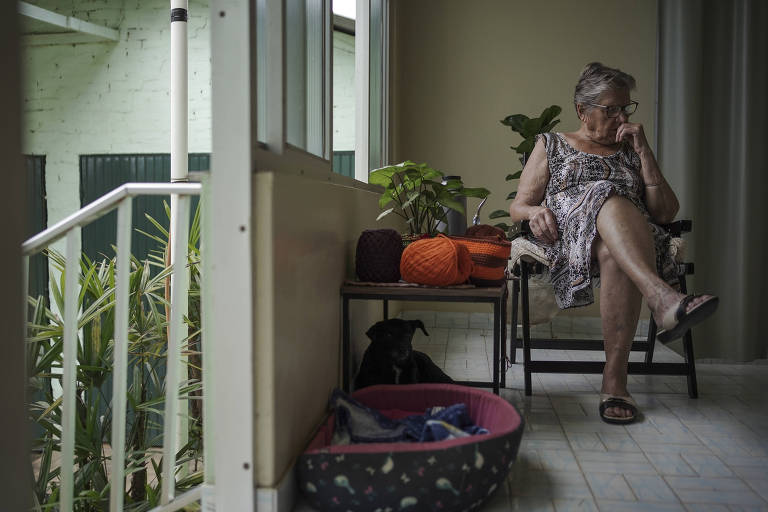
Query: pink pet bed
452,475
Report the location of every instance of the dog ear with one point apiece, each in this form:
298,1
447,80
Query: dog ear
374,331
420,325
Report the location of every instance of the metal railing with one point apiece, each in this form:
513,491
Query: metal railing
70,227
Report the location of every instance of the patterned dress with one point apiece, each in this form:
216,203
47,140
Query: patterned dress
579,184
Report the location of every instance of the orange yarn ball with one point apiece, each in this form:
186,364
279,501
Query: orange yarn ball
436,261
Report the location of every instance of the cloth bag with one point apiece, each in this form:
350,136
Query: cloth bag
490,255
377,256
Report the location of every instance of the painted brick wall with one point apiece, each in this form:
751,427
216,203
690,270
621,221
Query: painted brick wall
110,97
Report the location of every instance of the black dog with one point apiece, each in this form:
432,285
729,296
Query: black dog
390,358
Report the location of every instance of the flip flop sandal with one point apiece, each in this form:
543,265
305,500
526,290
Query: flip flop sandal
687,319
622,402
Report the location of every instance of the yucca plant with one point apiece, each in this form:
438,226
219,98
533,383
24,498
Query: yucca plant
147,359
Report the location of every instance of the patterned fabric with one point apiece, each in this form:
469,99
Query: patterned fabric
579,184
461,478
444,476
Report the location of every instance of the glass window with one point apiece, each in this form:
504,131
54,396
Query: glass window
305,75
344,87
261,68
376,90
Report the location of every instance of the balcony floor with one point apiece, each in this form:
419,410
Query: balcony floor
705,454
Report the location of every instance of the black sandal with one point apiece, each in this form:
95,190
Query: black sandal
622,402
687,319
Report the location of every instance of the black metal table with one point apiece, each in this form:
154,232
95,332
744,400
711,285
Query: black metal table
492,295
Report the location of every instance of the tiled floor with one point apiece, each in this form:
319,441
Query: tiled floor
705,454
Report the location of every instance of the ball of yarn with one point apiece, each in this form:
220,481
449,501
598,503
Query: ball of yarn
436,261
377,257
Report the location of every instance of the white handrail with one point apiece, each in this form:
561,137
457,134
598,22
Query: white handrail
120,198
102,206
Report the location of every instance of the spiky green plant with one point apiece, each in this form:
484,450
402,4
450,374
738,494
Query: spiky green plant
147,343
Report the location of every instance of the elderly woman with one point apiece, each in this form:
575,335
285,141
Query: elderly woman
594,198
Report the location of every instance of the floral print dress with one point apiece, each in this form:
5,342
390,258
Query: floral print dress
579,184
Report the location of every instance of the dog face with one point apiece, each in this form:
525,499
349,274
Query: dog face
391,339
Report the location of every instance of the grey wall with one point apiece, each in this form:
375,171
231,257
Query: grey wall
14,468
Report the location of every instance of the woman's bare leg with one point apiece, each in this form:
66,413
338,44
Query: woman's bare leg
628,238
620,302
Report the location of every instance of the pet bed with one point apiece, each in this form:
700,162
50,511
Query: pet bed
451,475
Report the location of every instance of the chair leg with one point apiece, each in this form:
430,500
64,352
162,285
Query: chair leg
651,341
526,328
693,388
513,343
503,318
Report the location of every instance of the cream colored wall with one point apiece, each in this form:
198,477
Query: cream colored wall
459,67
306,234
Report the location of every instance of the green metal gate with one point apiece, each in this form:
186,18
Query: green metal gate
37,220
100,174
344,163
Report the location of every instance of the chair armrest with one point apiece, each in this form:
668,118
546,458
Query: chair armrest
678,227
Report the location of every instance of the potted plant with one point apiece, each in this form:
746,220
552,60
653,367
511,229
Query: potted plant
528,128
416,192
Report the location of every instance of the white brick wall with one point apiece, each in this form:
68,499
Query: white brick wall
110,97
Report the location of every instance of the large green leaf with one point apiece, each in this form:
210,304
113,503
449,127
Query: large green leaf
497,214
412,198
387,197
514,176
548,128
384,213
478,192
449,201
532,127
512,195
526,146
515,121
549,113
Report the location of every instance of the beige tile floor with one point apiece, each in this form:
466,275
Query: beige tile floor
705,454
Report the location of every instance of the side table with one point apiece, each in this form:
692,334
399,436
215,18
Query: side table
493,295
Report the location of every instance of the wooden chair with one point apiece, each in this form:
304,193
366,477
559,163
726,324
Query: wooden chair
529,264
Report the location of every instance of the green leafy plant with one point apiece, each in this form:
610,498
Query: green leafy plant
416,193
528,129
147,343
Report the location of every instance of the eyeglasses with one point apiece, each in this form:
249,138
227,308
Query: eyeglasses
615,110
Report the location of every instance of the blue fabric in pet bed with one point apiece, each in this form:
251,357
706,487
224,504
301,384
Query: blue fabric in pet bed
356,423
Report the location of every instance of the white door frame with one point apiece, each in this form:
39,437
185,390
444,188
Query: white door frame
230,318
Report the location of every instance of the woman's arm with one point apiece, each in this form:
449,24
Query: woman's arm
660,199
530,193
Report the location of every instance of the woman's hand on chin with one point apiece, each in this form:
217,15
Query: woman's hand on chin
633,133
544,225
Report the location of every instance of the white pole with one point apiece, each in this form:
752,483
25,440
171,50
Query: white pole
179,91
174,368
120,375
179,173
69,370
